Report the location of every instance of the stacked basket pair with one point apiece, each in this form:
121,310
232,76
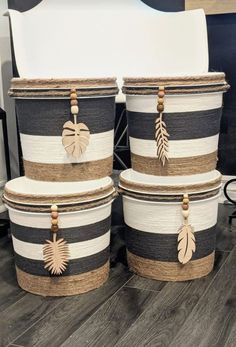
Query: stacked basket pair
170,196
60,211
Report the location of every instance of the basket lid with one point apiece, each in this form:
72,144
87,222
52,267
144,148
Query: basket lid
54,87
206,83
138,183
24,193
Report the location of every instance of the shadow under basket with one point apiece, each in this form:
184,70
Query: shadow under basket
66,127
60,234
170,224
174,123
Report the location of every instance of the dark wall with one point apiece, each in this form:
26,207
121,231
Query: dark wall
222,51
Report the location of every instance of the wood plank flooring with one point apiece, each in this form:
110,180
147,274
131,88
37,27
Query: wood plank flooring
128,310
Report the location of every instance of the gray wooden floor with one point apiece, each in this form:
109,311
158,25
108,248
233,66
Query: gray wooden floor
127,310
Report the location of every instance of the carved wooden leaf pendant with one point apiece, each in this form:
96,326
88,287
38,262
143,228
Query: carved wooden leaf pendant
161,136
56,255
186,243
75,138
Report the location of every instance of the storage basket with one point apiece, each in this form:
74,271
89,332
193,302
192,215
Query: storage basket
79,213
174,123
66,127
153,211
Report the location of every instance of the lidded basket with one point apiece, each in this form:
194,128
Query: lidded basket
174,123
170,224
60,233
66,127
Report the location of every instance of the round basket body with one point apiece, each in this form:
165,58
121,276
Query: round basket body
84,215
154,218
192,108
44,106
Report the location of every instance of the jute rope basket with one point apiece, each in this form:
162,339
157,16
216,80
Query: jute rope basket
174,123
170,224
66,127
61,240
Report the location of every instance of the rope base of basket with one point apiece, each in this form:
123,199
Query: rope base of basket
69,172
63,285
174,166
171,271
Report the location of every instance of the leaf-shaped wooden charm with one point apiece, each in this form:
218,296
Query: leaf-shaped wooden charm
56,255
75,138
186,243
161,136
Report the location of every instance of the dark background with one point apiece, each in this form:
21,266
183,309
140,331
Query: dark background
222,51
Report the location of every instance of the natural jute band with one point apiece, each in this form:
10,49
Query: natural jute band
212,78
63,286
174,166
171,271
180,188
59,198
69,172
63,208
33,88
167,198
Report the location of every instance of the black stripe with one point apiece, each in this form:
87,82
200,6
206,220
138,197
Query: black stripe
75,267
180,126
46,117
71,235
163,247
166,5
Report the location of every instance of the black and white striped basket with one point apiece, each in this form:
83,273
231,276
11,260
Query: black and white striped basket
154,211
83,217
43,107
174,123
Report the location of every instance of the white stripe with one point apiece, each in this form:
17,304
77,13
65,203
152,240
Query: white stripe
77,250
177,149
166,218
66,220
49,149
174,103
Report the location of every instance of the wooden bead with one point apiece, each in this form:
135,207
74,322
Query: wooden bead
185,196
73,96
54,208
185,214
161,94
161,101
185,207
160,108
74,109
161,88
54,221
73,90
54,215
74,102
185,201
54,228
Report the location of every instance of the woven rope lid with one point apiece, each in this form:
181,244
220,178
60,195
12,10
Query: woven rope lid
40,88
138,184
210,82
26,194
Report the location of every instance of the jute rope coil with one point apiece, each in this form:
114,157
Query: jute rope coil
168,198
69,172
177,90
212,78
62,199
63,285
21,87
63,208
171,271
175,166
144,188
